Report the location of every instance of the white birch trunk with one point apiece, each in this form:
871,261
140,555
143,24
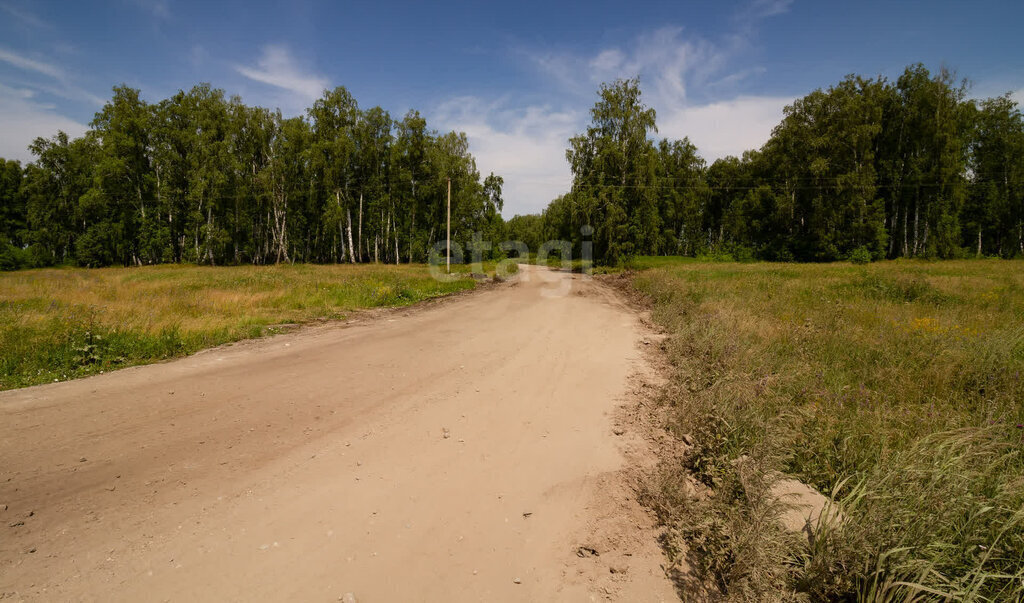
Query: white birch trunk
351,247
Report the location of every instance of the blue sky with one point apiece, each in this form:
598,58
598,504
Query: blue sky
518,77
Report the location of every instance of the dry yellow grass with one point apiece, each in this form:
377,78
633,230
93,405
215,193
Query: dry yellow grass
61,323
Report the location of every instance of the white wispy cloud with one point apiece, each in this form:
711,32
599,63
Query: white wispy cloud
197,55
24,16
40,67
526,146
278,68
56,80
689,83
666,61
24,112
761,9
24,119
726,127
158,8
695,85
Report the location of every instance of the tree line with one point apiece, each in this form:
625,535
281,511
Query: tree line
203,178
866,169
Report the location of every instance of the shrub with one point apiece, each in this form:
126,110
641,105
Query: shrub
11,258
860,255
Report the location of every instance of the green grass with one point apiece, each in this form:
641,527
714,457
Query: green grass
58,324
896,387
576,265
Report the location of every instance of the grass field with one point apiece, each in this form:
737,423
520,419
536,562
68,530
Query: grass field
57,324
896,387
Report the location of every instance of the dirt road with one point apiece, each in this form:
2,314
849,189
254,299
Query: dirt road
463,450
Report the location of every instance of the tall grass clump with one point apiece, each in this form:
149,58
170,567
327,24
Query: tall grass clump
894,387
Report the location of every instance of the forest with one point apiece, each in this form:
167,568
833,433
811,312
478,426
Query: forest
202,178
866,169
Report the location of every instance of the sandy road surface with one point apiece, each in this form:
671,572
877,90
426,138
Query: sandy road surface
311,465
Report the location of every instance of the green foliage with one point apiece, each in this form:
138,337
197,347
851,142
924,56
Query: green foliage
202,178
860,255
611,176
910,168
12,206
529,229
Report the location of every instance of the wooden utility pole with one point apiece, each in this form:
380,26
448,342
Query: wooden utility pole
448,251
